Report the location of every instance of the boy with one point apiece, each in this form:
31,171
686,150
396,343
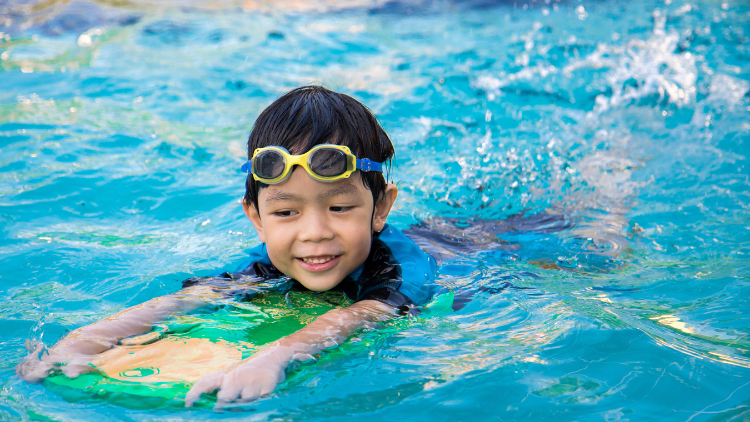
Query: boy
318,199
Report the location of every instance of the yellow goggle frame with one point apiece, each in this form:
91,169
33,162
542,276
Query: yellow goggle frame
305,161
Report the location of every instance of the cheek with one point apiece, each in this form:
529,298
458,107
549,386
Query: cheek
278,243
359,239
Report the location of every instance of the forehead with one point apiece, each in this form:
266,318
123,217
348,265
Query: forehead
301,187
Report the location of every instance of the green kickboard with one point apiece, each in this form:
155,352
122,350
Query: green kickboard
158,368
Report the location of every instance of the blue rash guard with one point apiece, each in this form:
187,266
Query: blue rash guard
397,272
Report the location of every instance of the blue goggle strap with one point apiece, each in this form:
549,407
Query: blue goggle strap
364,164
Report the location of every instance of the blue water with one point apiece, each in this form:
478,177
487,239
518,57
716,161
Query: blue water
122,129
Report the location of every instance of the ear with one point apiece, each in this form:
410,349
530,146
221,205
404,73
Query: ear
254,217
383,207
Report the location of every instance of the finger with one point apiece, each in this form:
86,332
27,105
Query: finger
206,384
264,385
74,370
202,386
229,391
267,388
251,392
33,370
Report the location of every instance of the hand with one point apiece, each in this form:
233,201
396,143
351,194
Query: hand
41,362
261,373
245,380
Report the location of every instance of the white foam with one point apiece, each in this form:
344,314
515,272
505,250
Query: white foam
728,90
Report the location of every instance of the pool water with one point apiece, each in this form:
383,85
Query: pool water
122,130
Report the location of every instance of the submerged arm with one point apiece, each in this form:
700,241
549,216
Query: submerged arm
262,372
75,351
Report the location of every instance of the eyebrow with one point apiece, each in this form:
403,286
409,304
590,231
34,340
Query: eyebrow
280,195
344,189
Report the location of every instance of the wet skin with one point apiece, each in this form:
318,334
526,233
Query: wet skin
318,232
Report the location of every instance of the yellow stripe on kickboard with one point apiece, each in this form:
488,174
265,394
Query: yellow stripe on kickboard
168,360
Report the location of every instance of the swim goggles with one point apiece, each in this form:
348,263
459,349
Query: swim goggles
325,162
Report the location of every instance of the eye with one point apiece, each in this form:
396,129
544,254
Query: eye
339,208
285,213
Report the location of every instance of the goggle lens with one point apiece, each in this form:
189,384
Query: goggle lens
269,164
328,162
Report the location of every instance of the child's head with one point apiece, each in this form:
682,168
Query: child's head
312,115
319,232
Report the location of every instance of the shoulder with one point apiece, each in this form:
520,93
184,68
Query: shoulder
414,261
257,254
417,267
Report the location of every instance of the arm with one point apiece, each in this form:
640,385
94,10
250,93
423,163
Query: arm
262,372
76,350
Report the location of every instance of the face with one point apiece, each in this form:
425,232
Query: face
318,232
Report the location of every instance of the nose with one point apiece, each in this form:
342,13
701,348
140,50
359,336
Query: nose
315,227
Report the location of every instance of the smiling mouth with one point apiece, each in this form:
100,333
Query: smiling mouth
319,263
319,259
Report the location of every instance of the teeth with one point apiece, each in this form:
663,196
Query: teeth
317,260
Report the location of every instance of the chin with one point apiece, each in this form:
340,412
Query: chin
319,285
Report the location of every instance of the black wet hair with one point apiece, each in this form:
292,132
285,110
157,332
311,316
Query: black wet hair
312,115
